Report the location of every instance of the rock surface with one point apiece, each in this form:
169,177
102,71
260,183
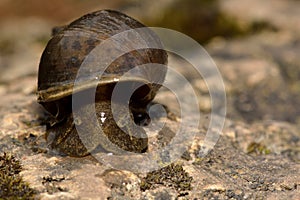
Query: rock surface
256,157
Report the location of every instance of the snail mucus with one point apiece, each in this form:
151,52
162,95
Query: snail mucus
63,56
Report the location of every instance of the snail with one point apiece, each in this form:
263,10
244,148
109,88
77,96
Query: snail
64,54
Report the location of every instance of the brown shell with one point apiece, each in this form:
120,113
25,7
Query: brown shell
69,47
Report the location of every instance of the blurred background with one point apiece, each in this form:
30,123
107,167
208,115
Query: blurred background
201,20
254,43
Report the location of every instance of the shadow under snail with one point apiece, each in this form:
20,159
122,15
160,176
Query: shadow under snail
58,69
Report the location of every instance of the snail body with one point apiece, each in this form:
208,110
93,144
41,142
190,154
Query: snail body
58,70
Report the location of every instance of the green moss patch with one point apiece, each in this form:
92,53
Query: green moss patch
11,184
172,176
258,149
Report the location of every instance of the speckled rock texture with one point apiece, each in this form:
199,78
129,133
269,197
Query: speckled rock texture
256,157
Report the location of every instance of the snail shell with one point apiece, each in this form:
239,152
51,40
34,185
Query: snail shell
58,69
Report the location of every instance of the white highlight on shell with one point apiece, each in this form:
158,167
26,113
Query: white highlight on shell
102,114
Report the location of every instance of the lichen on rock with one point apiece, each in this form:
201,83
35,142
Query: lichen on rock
12,185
